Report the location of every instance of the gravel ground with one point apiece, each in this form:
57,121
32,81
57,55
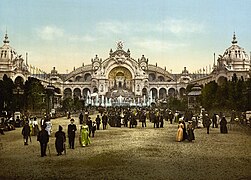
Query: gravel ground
137,153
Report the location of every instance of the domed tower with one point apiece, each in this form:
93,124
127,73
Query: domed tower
10,62
235,58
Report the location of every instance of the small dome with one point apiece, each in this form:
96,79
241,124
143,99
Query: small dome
6,51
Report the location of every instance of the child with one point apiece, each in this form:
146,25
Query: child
94,127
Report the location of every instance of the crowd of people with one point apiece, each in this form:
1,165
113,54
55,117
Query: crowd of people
118,117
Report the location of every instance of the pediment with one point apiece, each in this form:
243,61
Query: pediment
119,54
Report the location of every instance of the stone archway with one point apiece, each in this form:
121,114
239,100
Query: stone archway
120,82
152,77
182,92
171,92
154,93
78,78
67,93
144,92
162,93
87,77
77,93
86,92
19,81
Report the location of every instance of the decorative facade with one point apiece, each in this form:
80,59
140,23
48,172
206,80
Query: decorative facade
122,80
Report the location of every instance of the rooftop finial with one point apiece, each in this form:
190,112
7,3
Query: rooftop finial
234,39
120,44
6,41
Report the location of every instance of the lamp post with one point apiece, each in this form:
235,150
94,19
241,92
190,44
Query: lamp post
18,91
50,103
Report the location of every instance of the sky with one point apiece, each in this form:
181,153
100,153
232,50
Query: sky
172,33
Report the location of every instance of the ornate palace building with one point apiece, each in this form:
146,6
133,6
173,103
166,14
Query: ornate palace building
122,80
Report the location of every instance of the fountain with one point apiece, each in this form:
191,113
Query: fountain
92,100
144,100
102,101
97,100
150,98
120,99
88,98
106,101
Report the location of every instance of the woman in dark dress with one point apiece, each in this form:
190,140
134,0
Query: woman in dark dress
190,132
60,140
223,125
184,130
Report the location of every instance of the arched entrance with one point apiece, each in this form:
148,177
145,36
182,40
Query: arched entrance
120,83
67,93
77,93
154,93
19,81
120,78
182,92
144,92
171,92
162,93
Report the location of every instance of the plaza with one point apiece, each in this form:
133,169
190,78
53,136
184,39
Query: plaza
131,153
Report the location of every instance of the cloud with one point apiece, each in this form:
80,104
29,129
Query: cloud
158,45
167,25
114,27
50,32
179,26
85,38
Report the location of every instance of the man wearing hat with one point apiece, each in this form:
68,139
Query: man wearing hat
43,138
26,132
207,122
72,128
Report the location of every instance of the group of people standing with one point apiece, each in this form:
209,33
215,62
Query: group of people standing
216,120
184,132
117,117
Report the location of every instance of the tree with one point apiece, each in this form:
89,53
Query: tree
208,95
230,95
67,104
34,93
7,86
177,104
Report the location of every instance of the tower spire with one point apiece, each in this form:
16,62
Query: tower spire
6,41
214,59
234,39
26,58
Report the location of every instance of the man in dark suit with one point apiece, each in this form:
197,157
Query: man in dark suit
43,138
26,132
104,121
72,128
